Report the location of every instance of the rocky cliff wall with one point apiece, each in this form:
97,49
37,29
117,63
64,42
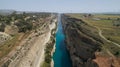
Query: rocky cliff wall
82,41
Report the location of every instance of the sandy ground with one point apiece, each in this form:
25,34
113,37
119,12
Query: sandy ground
35,55
40,57
107,61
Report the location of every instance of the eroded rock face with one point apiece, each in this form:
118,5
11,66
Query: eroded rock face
82,42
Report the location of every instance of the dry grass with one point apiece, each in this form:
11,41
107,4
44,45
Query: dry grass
104,24
8,46
108,30
12,44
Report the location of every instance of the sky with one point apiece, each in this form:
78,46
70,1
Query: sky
79,6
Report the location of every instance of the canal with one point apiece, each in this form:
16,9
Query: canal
61,56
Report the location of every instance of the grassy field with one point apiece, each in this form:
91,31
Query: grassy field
106,23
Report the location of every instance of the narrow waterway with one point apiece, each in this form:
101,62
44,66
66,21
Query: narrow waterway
61,56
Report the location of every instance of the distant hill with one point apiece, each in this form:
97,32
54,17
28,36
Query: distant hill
113,13
6,12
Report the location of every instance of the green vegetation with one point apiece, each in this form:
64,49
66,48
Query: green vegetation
49,48
25,23
108,24
45,64
23,26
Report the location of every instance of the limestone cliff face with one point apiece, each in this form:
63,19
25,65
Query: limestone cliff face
30,51
82,41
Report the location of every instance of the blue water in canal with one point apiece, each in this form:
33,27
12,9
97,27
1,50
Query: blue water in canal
61,56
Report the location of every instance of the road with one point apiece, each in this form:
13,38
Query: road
100,33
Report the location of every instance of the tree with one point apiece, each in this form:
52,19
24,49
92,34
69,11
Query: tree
2,27
117,53
118,18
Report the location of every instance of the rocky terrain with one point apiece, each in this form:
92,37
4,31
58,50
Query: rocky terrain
26,38
4,37
86,45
